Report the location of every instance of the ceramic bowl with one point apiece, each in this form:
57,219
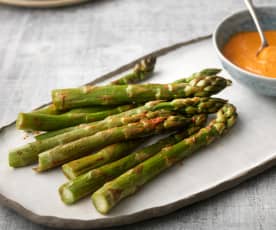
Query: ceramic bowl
239,22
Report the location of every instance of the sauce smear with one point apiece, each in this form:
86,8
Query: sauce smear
241,50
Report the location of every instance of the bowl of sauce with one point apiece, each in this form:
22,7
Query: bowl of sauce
236,42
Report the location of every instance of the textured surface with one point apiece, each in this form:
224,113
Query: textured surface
41,50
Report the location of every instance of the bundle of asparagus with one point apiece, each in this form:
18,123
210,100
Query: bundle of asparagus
93,131
92,180
129,182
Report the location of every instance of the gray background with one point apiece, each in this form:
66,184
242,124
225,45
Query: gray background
44,49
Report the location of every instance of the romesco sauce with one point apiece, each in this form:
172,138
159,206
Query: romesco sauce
241,49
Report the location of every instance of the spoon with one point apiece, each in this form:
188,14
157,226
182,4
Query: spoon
253,14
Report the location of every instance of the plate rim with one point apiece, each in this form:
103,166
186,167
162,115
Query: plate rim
57,222
41,4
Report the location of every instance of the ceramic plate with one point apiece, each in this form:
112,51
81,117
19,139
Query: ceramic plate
42,3
248,149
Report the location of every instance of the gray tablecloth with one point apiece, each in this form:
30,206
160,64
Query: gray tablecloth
44,49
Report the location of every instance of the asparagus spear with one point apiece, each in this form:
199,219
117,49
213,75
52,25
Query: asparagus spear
128,183
125,94
48,109
106,155
79,148
187,105
147,64
191,106
54,133
47,122
51,110
49,134
78,167
89,182
202,73
93,109
27,154
52,122
141,71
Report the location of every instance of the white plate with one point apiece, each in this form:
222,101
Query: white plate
248,149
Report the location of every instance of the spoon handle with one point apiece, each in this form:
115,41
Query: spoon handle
252,11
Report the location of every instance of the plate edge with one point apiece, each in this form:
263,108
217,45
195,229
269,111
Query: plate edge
42,4
155,212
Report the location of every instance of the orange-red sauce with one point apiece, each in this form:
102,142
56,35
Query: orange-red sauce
241,49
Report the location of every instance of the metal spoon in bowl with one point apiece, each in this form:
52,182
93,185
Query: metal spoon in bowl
253,14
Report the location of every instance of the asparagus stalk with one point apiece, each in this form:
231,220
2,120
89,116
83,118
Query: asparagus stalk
27,154
51,110
49,134
146,64
191,106
82,147
93,109
106,155
125,94
128,183
202,73
54,133
89,182
141,71
48,109
53,122
114,119
48,122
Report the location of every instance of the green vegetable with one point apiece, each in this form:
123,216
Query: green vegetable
192,106
106,155
89,182
47,122
82,147
141,71
128,183
188,106
202,73
48,109
126,94
28,154
50,134
93,109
